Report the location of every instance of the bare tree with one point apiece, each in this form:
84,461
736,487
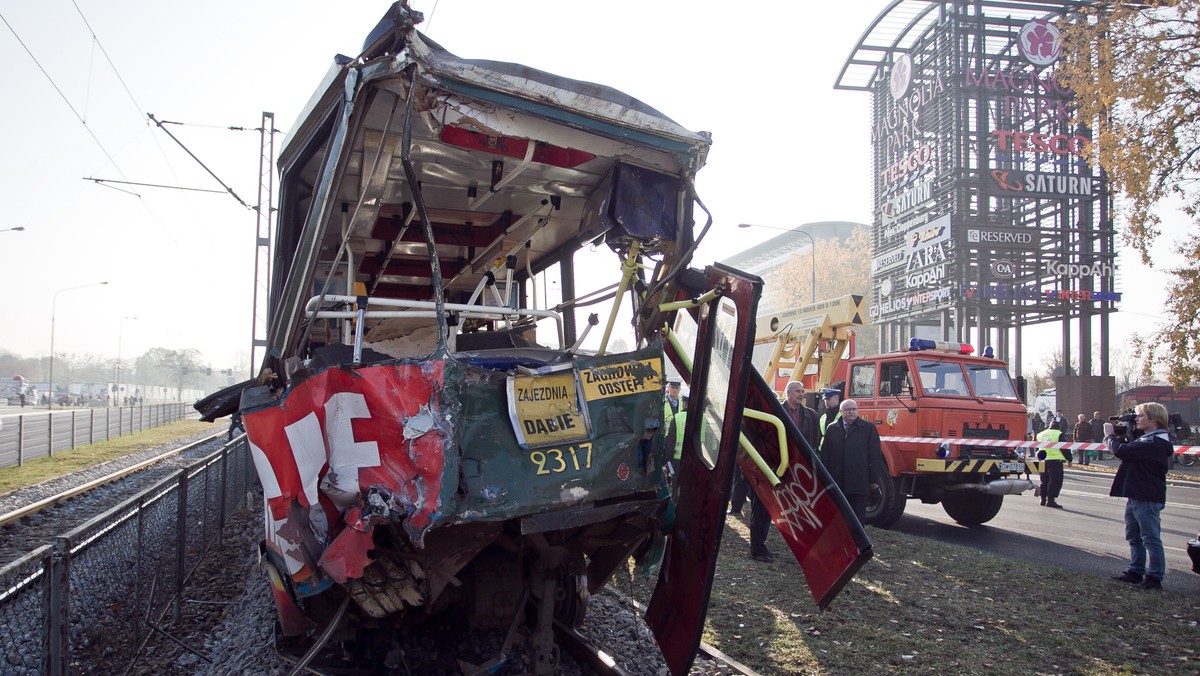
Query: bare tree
842,267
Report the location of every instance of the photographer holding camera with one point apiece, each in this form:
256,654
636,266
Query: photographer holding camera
1142,479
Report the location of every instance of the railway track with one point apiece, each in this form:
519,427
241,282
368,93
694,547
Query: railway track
236,638
612,641
34,515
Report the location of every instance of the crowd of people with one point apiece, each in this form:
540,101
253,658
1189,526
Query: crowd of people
849,447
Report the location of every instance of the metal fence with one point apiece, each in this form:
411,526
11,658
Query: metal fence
36,435
95,594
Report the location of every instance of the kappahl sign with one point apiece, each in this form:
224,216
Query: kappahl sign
1075,270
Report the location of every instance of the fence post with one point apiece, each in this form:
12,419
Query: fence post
91,425
57,591
181,544
221,518
20,440
73,429
50,433
107,424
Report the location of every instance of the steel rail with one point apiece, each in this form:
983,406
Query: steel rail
589,654
83,488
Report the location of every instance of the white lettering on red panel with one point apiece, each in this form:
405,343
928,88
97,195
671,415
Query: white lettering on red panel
308,448
345,454
266,473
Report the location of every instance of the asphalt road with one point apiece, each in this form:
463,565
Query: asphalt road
1088,535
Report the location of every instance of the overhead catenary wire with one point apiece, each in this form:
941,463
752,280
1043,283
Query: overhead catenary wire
83,122
146,117
67,101
204,166
105,181
128,92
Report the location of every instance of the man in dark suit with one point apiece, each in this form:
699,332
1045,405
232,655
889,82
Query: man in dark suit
852,454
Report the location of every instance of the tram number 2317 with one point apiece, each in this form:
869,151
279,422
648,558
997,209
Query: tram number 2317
556,460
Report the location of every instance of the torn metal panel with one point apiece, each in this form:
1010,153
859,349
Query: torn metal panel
341,430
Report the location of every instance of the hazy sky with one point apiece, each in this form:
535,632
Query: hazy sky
787,148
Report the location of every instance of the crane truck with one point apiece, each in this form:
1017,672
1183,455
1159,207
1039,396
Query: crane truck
951,422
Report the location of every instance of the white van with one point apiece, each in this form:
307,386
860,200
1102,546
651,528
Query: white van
1044,403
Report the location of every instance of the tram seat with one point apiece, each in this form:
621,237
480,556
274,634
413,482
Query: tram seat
517,336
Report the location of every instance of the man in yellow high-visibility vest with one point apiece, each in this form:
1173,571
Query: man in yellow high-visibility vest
678,422
1052,475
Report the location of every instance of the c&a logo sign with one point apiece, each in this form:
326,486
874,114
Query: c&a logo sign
1002,268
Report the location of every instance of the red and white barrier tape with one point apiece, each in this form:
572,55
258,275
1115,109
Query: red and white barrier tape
1004,443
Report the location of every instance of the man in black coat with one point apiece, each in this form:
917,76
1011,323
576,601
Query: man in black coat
851,452
805,420
1097,427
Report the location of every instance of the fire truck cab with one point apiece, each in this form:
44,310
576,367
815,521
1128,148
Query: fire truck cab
942,415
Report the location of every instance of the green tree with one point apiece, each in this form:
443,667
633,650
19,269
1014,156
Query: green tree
1134,70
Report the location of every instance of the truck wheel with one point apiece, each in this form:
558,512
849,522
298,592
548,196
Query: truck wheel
971,509
885,505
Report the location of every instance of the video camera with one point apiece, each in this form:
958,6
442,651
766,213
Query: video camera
1124,426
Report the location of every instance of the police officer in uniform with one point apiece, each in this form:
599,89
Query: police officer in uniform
833,399
671,403
1052,475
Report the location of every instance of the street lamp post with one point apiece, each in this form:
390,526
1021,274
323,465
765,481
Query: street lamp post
19,228
812,251
53,312
120,337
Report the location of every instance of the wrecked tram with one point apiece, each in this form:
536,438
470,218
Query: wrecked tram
429,431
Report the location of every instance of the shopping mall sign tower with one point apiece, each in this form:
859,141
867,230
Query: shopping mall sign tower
989,215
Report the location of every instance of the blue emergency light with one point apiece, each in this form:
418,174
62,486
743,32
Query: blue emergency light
915,344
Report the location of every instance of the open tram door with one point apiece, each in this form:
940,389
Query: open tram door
810,512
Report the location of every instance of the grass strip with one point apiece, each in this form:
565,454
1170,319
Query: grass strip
38,470
925,607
